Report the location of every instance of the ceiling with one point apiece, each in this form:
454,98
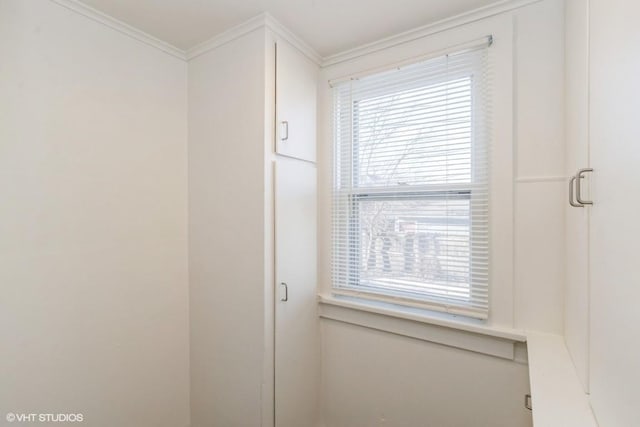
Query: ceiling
329,26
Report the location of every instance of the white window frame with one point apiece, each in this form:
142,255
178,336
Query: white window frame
502,59
345,186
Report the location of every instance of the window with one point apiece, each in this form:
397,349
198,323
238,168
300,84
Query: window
411,184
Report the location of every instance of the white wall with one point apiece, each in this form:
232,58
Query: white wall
227,232
528,241
371,378
93,254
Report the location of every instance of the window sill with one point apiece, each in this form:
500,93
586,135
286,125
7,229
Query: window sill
440,328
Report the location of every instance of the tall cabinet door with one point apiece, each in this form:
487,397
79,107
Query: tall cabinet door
296,325
615,228
296,92
576,320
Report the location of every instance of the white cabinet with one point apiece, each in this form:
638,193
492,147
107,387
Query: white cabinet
603,282
252,225
296,327
614,128
296,88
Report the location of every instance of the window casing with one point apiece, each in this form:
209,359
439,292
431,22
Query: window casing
410,221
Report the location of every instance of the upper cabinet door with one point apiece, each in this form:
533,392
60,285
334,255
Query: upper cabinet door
296,89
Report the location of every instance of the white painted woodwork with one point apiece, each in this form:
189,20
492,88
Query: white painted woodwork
329,26
576,307
615,229
296,89
227,238
539,161
502,179
441,328
296,328
557,396
233,239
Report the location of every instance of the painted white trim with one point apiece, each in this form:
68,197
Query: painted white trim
557,395
121,27
282,31
263,20
423,316
426,30
268,21
226,36
484,41
450,333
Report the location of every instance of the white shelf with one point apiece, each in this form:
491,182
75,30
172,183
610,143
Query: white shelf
557,396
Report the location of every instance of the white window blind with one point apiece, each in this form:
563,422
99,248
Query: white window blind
411,184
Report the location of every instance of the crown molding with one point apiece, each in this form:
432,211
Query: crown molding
426,30
121,27
226,36
283,32
264,20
